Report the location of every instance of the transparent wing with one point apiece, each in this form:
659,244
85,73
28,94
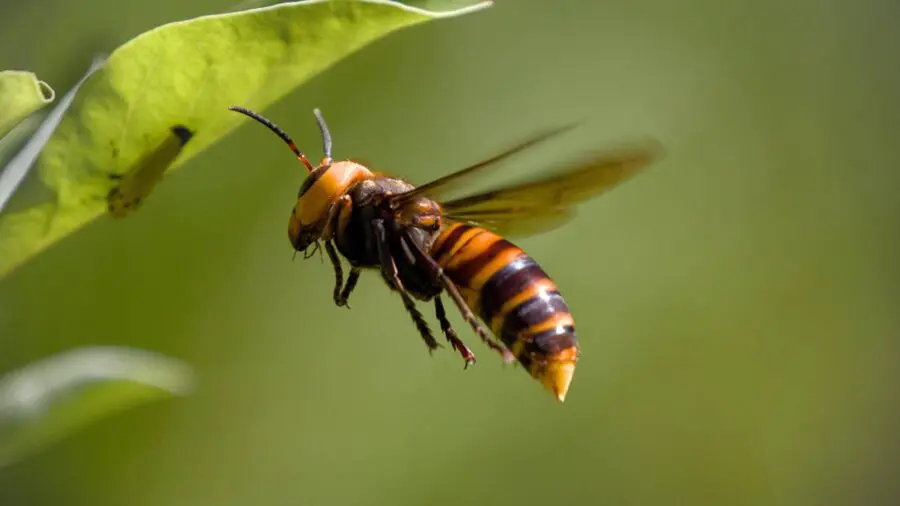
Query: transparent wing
442,186
548,202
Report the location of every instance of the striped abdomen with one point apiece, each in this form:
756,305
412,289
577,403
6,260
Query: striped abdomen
515,298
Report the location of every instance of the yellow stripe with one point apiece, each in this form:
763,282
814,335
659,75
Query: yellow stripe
439,240
545,285
463,239
505,257
471,251
518,347
472,298
555,320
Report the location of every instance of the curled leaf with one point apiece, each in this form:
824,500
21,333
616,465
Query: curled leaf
21,93
17,168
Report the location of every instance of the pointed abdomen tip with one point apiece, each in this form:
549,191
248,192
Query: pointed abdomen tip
561,380
557,374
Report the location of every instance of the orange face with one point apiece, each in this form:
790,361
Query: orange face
318,196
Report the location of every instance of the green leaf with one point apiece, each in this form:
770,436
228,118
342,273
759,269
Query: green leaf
187,73
17,168
48,400
21,93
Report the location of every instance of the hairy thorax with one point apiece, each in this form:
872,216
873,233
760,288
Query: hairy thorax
416,222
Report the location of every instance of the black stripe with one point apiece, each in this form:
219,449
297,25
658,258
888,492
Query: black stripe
532,312
463,274
552,341
311,180
464,244
448,242
507,283
525,360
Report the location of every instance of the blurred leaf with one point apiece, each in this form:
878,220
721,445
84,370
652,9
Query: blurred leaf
17,168
21,93
48,400
187,73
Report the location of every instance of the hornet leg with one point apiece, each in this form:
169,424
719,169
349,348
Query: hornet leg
437,273
389,268
332,222
338,274
349,286
455,341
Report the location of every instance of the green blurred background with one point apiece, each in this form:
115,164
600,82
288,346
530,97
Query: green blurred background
737,304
